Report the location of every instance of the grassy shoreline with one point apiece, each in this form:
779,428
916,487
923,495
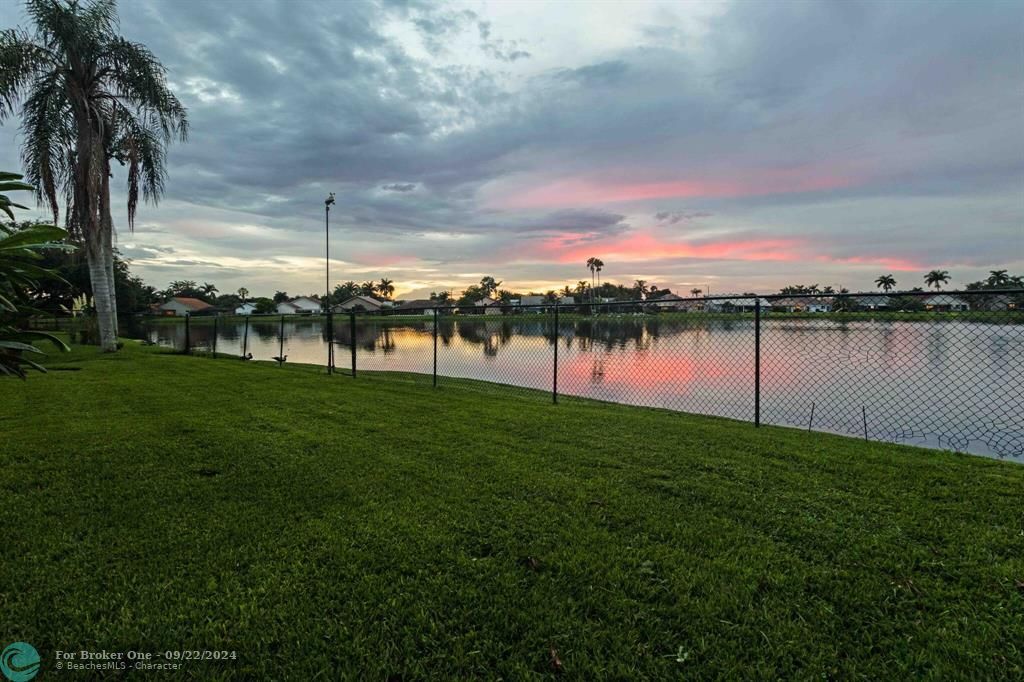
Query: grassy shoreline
376,527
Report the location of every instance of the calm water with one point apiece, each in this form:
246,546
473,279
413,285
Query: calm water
952,385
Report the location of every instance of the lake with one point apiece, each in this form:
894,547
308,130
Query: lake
944,384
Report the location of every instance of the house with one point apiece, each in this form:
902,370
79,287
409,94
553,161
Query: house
997,303
872,302
532,301
488,305
668,302
567,300
245,309
740,305
183,305
813,305
358,303
420,306
800,304
945,303
303,305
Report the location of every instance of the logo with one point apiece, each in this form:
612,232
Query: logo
19,662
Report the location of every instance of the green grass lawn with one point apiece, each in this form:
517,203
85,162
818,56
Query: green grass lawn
377,528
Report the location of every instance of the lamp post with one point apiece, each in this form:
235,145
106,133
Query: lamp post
327,271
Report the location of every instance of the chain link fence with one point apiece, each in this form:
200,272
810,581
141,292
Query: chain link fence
942,370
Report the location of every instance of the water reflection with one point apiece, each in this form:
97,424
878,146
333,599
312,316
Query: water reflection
948,384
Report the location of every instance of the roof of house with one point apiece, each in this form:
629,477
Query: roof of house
486,302
531,300
748,302
193,303
420,303
944,299
667,297
567,300
372,300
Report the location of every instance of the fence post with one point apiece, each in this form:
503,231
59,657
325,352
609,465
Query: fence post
435,347
554,378
330,341
352,328
757,362
216,323
245,338
280,343
188,339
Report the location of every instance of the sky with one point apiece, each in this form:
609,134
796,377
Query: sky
731,146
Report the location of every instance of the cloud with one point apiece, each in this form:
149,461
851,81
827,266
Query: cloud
822,141
399,187
673,217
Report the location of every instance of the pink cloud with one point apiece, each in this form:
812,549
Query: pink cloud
589,191
642,247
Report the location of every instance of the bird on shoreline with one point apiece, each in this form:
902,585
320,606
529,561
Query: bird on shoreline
280,358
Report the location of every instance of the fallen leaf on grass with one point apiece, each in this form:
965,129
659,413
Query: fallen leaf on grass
556,662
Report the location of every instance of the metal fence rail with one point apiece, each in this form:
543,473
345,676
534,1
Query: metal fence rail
935,369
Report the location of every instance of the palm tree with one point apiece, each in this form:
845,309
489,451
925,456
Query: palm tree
488,285
936,278
88,96
385,288
640,287
599,265
998,278
209,290
592,266
367,288
444,296
243,293
696,291
886,283
345,291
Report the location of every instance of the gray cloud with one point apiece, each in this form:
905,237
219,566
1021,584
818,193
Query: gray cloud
860,129
673,217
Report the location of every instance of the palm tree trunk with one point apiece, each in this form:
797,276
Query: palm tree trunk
101,294
107,230
88,220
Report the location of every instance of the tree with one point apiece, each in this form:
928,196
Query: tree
88,97
998,278
280,296
385,288
20,274
471,294
489,285
442,296
936,278
639,288
696,291
594,264
209,291
367,288
243,294
345,291
886,283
